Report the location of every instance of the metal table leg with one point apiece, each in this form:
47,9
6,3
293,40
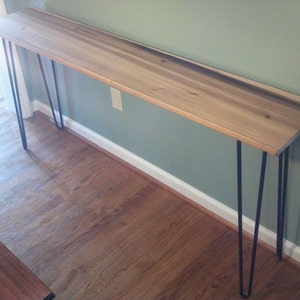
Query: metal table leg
59,125
283,167
10,62
240,221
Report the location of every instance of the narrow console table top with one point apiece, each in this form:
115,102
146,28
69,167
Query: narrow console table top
17,282
243,112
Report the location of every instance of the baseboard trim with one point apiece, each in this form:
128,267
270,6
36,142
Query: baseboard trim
209,203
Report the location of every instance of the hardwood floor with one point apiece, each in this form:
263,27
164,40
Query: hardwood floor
92,227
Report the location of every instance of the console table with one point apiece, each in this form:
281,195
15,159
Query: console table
17,282
265,118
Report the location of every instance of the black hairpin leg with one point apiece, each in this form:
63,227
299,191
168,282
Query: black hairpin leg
49,297
240,220
59,124
283,168
9,56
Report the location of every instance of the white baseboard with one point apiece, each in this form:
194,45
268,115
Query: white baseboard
209,203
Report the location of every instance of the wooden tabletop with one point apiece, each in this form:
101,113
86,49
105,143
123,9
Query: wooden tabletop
17,282
243,112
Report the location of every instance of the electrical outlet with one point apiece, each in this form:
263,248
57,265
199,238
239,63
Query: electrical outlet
116,99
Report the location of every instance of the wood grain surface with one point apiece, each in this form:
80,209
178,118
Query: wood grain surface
17,282
234,108
93,228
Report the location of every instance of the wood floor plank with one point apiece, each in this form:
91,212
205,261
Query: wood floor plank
91,227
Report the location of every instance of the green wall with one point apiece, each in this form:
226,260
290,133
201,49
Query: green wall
256,39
